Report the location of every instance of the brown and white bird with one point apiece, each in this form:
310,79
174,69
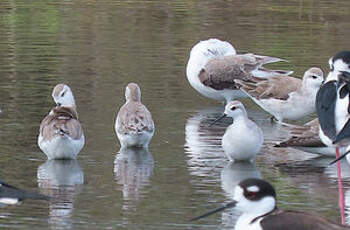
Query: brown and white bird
61,135
214,65
285,97
134,125
256,199
306,138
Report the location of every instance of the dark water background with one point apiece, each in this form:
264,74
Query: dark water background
97,47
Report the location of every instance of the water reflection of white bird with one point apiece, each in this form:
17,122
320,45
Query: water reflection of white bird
133,168
203,143
234,172
60,179
231,175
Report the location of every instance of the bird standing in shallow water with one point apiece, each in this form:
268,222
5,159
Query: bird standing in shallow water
332,105
285,97
61,135
243,139
256,199
134,125
306,138
214,65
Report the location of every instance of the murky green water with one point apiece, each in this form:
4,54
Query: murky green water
97,47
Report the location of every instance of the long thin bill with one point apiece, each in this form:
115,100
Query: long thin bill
216,120
338,158
228,205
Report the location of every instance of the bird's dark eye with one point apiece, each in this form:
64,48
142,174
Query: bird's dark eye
314,77
233,108
249,195
332,67
62,95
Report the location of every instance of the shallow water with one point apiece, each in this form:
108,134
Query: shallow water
97,47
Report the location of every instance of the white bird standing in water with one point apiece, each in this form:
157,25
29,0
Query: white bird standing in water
214,65
243,139
285,97
134,125
61,135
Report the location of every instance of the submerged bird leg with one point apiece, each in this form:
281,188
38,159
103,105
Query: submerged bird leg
340,188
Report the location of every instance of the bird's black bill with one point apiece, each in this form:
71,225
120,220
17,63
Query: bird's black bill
217,119
339,158
228,205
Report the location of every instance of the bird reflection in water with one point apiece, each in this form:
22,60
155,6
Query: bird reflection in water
203,142
321,180
133,168
60,179
231,175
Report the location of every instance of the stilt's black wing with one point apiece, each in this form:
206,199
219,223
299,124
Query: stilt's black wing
325,106
345,131
9,191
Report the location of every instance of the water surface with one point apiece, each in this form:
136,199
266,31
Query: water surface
97,47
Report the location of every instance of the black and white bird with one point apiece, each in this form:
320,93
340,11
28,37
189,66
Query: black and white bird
256,199
12,195
332,103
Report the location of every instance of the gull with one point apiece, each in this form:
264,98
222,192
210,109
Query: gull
214,65
243,139
256,199
61,135
285,97
12,195
134,125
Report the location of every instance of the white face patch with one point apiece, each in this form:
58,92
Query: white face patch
238,195
340,65
253,188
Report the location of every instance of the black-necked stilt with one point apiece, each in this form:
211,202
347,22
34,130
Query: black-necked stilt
332,101
214,65
332,106
12,195
256,198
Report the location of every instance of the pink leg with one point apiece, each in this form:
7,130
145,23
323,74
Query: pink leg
340,189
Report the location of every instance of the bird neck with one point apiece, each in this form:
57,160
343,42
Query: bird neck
240,118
